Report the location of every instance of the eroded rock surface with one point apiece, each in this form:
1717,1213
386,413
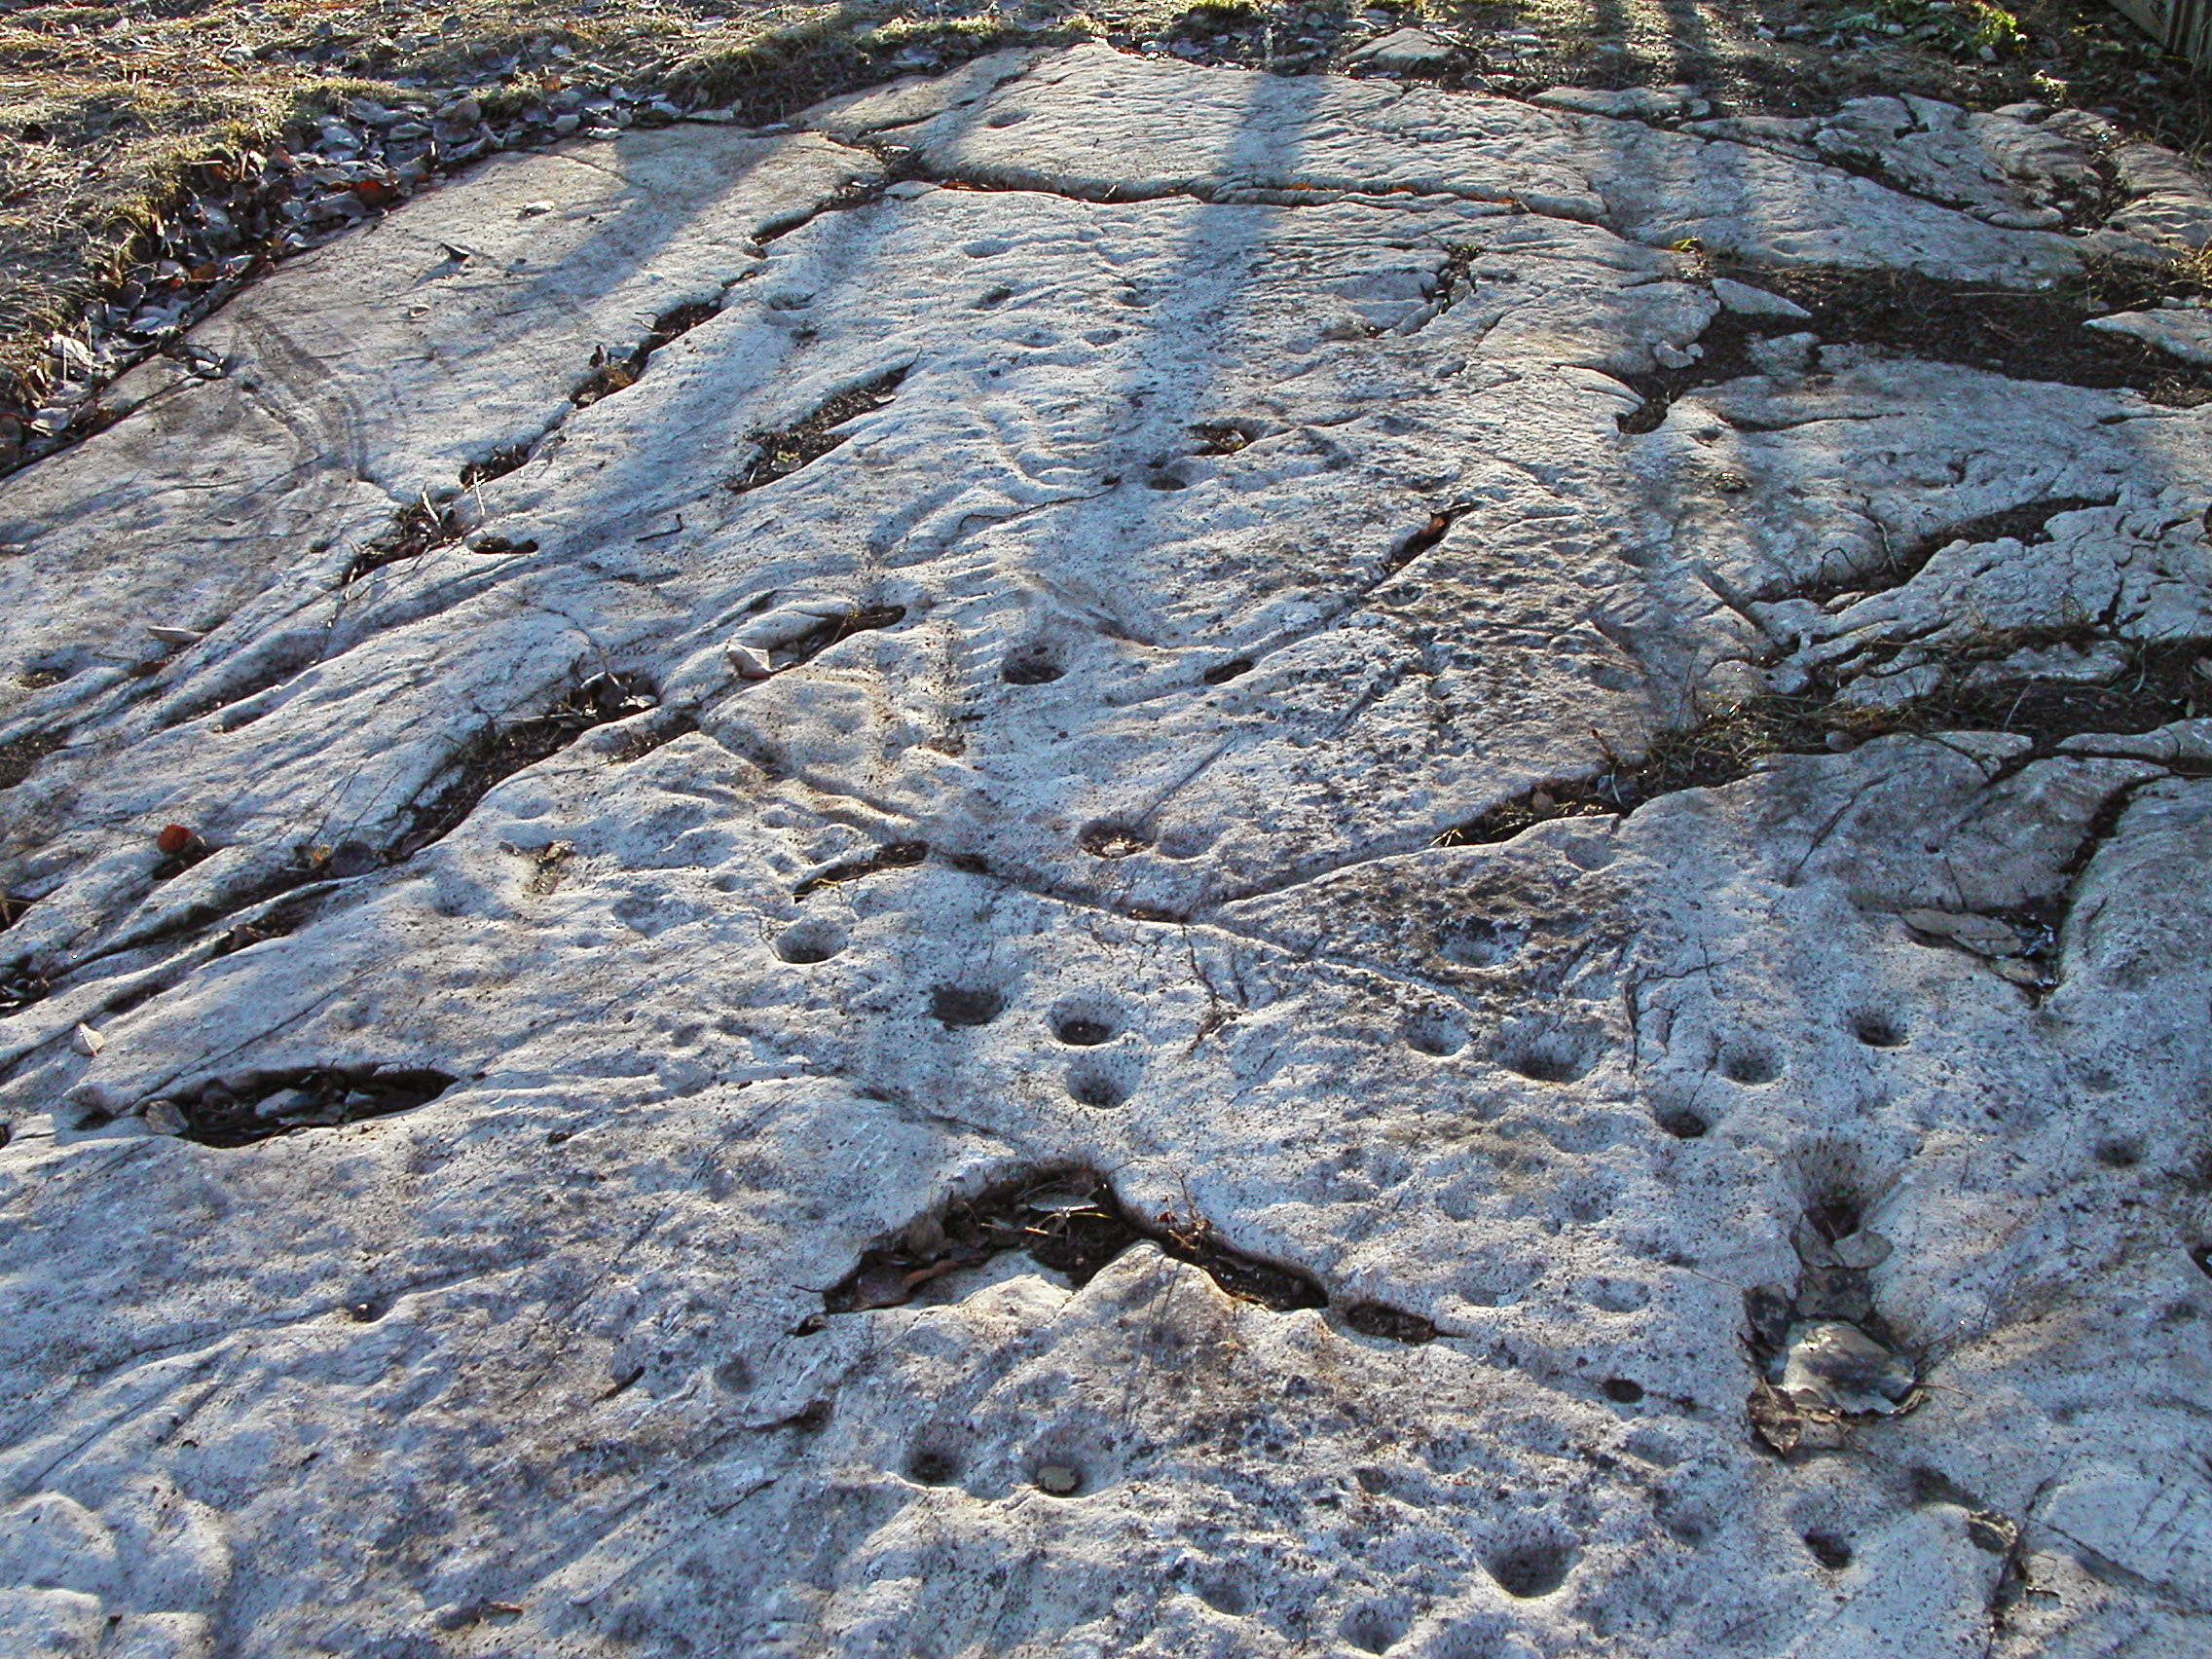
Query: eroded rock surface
1117,860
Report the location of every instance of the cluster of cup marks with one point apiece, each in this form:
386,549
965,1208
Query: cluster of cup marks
1099,1080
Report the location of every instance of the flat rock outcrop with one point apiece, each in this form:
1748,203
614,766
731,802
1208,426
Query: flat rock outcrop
1123,859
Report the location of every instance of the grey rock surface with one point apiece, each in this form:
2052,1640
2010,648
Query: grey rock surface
2185,333
1404,50
876,895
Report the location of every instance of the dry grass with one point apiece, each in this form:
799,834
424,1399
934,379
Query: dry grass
105,107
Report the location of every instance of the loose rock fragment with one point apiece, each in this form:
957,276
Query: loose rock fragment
1057,1478
1748,301
1984,935
1408,49
1836,1367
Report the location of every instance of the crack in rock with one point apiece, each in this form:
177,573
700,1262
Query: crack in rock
1070,1221
784,451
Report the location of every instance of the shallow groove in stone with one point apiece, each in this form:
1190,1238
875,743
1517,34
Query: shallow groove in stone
497,753
417,528
898,854
610,375
784,450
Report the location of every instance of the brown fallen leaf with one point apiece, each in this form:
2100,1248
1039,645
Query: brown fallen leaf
1790,1426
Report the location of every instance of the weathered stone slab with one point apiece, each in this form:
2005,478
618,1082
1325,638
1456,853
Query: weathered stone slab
1168,895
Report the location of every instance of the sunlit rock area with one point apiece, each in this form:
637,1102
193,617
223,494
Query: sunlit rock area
1111,857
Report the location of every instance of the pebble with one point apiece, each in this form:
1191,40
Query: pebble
1057,1478
1746,300
1840,1368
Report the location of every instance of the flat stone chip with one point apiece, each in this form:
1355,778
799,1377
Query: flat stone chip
1057,1478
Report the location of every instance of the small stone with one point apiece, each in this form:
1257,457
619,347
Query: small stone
2183,334
923,1237
1404,50
1812,1245
748,663
169,636
285,1103
165,1118
1784,354
1057,1478
1837,1367
1632,103
532,209
1746,300
2025,218
87,1041
1766,1307
1991,1533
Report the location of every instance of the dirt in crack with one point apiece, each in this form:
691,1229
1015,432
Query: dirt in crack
610,374
266,1104
1068,1218
2159,684
22,983
416,530
2028,524
834,626
1413,547
784,450
898,855
18,755
1827,1360
499,752
2025,334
